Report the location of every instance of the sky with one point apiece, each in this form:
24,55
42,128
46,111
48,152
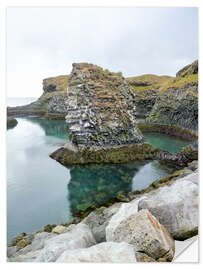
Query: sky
44,42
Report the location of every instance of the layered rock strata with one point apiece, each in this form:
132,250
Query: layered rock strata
177,102
101,110
146,88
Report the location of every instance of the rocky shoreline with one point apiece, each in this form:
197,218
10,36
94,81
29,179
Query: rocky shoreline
145,229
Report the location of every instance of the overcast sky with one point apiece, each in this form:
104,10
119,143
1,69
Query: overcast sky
44,42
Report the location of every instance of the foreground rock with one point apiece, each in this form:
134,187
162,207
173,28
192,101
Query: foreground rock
78,236
176,206
143,231
99,220
109,252
177,102
50,246
173,201
11,122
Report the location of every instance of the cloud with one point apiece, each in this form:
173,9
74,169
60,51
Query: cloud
44,42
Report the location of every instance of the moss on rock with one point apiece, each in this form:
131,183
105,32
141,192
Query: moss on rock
173,130
119,154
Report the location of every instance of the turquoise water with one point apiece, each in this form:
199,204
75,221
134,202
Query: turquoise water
166,142
41,191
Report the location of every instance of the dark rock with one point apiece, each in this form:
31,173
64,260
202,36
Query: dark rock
11,122
177,102
101,110
146,89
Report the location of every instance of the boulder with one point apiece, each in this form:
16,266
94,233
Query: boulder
99,219
11,122
77,236
175,206
108,252
59,229
30,252
125,211
144,232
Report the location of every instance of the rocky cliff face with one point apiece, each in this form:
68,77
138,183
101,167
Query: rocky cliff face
146,89
101,108
52,101
177,102
54,98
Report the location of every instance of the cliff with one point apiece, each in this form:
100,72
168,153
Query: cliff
52,102
177,101
146,88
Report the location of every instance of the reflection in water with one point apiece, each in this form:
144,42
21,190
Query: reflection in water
93,185
149,172
37,185
56,128
96,184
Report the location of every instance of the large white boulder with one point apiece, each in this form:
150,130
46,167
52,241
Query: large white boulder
125,211
108,252
143,231
78,236
176,207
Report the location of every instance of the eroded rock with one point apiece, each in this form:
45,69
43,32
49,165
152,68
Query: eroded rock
108,252
77,236
142,230
99,219
175,206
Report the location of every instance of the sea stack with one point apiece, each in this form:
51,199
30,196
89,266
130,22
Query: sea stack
101,117
101,109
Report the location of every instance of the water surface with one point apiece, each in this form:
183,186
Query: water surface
41,191
166,142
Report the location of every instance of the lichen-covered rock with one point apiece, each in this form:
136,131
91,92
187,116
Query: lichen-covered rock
107,252
175,206
177,102
59,229
101,109
143,231
77,236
